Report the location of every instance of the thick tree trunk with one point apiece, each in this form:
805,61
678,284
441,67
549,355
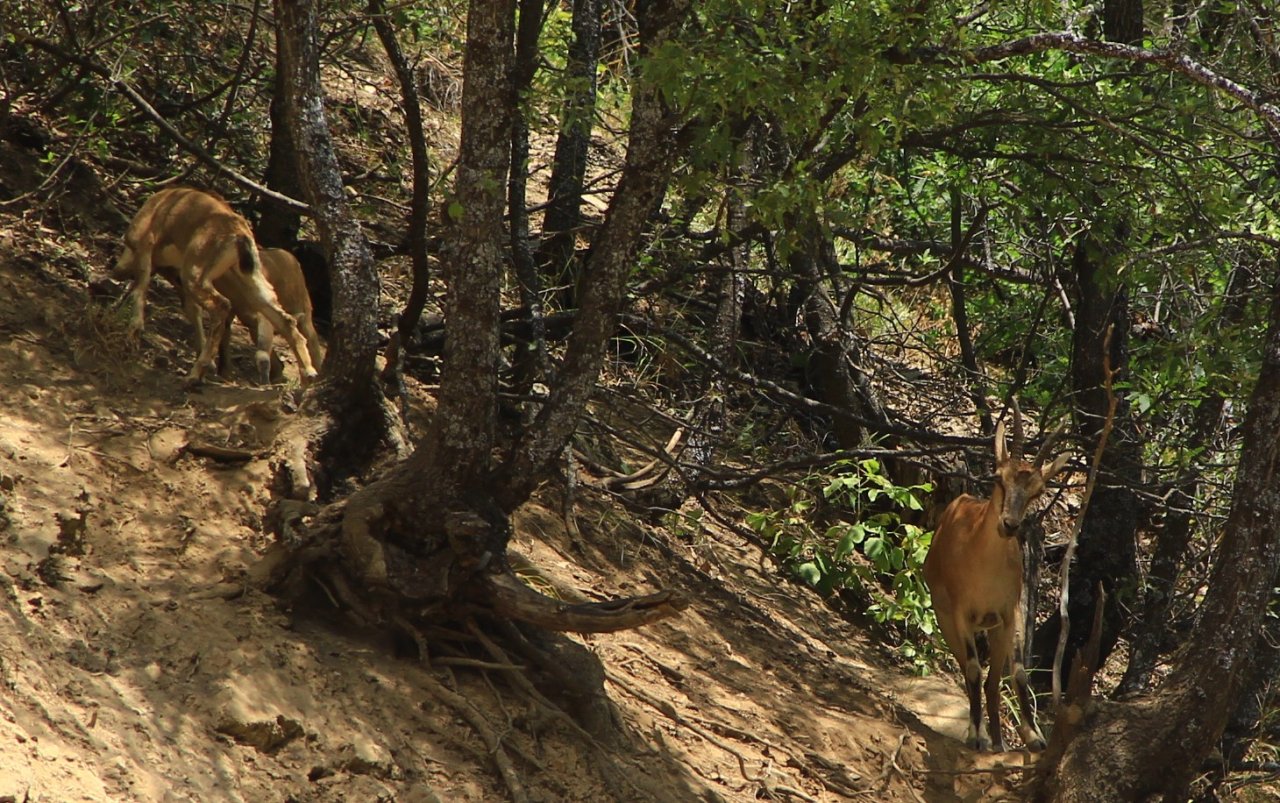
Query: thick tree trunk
1157,745
463,429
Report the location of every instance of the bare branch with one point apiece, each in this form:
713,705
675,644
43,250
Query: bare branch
123,87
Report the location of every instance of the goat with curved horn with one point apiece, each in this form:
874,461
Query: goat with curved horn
974,573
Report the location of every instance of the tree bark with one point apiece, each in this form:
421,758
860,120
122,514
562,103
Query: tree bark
348,389
1155,746
569,167
1107,546
463,430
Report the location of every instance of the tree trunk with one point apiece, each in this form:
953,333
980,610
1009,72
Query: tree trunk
709,419
420,204
277,224
1107,546
463,431
348,390
531,353
834,366
1157,745
433,530
569,168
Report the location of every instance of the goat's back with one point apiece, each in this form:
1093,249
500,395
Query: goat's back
174,216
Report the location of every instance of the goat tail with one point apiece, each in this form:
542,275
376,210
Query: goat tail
248,250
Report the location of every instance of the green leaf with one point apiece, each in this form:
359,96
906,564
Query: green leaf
808,572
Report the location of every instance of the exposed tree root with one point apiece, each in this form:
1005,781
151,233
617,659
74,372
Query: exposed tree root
492,740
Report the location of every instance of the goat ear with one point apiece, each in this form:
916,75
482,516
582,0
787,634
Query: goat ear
1002,449
1056,466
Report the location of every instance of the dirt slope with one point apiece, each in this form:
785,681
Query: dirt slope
137,665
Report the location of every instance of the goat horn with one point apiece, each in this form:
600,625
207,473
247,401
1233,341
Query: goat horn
1047,446
1017,430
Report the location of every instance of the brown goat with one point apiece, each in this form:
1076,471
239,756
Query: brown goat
284,274
974,573
211,246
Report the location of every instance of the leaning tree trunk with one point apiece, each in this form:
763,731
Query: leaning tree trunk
420,204
348,392
1156,745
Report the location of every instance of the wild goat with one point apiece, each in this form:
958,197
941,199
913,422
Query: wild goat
974,573
211,246
284,274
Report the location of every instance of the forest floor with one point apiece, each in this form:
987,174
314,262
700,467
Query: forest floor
139,664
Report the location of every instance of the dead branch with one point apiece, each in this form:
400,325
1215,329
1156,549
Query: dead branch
641,477
222,454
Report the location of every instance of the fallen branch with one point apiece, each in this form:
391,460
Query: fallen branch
223,454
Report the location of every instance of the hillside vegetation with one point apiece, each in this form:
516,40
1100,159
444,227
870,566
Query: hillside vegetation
659,337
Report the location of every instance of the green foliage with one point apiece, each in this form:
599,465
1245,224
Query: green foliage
867,548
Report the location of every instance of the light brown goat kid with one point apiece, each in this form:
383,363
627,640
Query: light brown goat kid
212,248
974,573
284,274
